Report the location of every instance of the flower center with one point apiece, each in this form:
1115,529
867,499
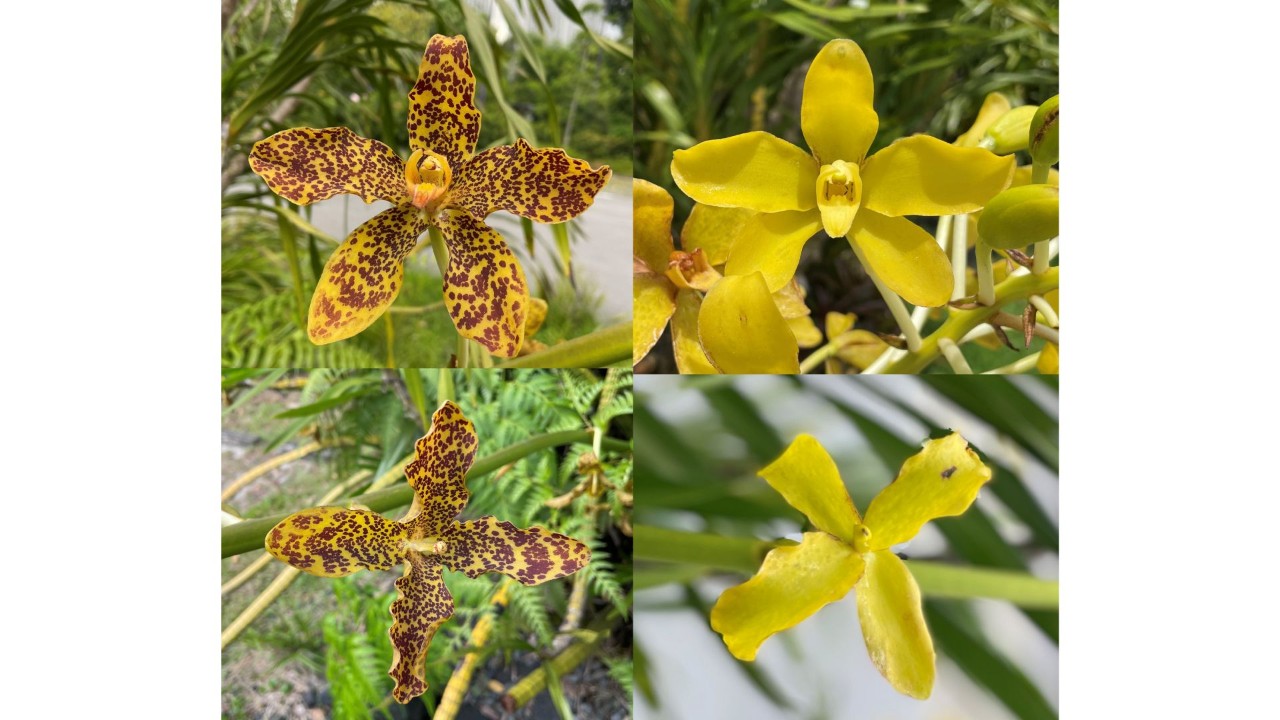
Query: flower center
427,546
691,270
427,176
861,536
839,196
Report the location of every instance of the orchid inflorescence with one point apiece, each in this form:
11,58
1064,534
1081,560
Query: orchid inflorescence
771,198
337,541
445,185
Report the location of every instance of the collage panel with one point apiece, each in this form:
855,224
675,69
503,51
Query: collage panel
859,188
426,543
429,184
849,547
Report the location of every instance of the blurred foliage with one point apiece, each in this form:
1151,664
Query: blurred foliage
699,464
339,626
327,63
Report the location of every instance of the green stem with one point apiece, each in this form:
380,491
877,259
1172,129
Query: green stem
1040,251
897,307
986,273
250,534
1016,367
817,357
951,351
442,261
960,322
959,248
744,555
1050,317
602,348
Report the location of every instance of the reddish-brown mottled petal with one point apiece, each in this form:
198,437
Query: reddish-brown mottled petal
542,184
438,472
484,290
364,275
424,603
530,556
335,541
442,113
307,165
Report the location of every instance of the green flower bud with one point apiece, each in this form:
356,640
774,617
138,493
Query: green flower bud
1044,133
1008,134
1019,217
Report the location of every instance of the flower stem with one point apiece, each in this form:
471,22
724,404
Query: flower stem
461,353
897,307
952,353
959,251
1016,367
744,555
1040,251
960,322
817,357
986,274
1050,317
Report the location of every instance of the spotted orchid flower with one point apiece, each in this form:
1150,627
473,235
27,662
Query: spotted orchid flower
336,541
443,185
838,189
849,552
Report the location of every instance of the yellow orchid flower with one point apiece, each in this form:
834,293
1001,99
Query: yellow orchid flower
719,323
443,185
839,189
336,541
848,552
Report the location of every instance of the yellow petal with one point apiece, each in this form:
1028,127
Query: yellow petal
530,557
421,606
770,243
653,302
542,184
860,348
335,541
807,478
363,276
306,165
904,257
438,471
484,290
893,625
753,170
839,323
1048,362
939,481
793,583
691,359
651,208
742,330
442,112
807,333
993,106
537,315
836,113
790,300
713,230
921,175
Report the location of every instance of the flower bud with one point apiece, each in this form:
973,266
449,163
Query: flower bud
1044,133
1008,134
1020,216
